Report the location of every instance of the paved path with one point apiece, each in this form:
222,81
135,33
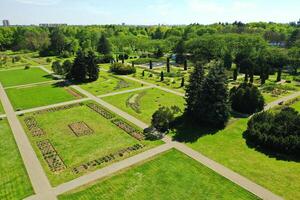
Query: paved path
32,84
52,106
283,99
124,92
98,174
34,169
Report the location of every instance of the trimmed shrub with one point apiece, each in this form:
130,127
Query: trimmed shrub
122,69
276,132
246,98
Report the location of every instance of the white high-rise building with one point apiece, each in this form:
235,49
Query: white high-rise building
5,22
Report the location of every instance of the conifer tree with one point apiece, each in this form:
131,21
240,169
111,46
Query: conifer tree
168,65
193,91
78,70
162,76
104,46
92,68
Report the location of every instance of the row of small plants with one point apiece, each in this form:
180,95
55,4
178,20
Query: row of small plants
58,108
128,129
107,158
51,156
101,111
33,126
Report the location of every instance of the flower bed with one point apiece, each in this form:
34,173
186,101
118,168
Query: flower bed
128,129
58,108
100,110
50,155
107,158
80,129
33,127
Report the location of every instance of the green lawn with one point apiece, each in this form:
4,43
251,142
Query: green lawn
143,104
108,83
74,151
14,182
171,175
229,148
41,95
296,106
22,76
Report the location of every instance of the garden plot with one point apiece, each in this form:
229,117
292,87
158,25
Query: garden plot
144,103
40,95
23,76
81,138
14,182
170,175
108,83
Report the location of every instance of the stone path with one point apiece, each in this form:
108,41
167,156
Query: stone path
38,178
282,100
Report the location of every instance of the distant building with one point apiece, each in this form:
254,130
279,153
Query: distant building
5,22
52,25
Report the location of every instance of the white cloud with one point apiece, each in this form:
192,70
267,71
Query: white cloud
205,6
40,2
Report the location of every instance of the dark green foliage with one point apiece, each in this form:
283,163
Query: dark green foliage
162,76
104,46
214,98
143,73
235,74
57,68
185,66
179,50
227,60
276,132
150,64
182,82
84,67
246,98
159,53
67,65
168,65
193,91
122,69
163,117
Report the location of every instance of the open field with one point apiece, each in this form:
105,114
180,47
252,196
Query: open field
143,104
40,95
171,175
14,182
108,83
101,138
229,148
22,76
296,106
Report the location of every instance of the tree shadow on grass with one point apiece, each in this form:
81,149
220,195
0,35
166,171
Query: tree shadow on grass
188,131
270,153
49,76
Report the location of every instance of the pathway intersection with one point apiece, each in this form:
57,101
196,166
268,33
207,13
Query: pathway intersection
43,189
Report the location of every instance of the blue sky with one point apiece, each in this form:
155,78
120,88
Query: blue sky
147,11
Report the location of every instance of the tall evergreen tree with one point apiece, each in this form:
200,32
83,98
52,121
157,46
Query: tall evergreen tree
104,46
92,68
214,98
193,91
227,60
78,71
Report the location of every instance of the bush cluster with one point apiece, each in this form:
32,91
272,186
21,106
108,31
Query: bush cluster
276,132
122,69
246,98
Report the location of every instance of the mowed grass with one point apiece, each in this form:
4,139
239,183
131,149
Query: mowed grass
22,76
229,148
14,182
74,151
108,83
171,175
296,106
39,95
147,101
